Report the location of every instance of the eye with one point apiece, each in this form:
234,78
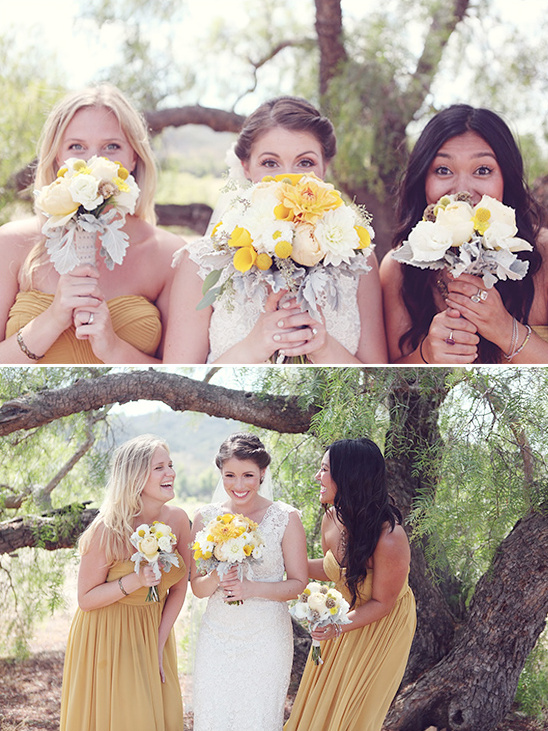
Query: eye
307,163
113,146
76,146
268,163
484,170
442,170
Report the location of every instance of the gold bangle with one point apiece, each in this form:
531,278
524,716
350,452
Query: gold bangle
24,348
122,587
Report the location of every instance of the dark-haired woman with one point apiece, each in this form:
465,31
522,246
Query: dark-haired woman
367,556
433,318
284,135
244,653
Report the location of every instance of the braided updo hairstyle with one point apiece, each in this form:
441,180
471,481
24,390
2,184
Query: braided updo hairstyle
243,446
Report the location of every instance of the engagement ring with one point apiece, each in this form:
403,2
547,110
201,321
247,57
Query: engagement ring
450,340
481,294
90,321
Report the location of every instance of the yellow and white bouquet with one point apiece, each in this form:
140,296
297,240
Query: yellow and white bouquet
287,232
87,198
226,541
320,605
463,238
154,544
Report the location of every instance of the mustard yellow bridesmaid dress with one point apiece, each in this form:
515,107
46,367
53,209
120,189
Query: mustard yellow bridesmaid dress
362,669
111,678
134,318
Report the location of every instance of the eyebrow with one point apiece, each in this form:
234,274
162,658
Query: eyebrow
275,154
476,155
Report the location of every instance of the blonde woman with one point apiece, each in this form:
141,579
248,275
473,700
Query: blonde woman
120,664
46,316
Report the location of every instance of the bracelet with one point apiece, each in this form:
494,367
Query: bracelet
24,348
513,341
525,341
420,351
122,587
338,630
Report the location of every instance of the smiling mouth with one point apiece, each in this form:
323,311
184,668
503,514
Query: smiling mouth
241,494
167,486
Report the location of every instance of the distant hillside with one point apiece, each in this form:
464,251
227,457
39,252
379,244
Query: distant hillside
193,440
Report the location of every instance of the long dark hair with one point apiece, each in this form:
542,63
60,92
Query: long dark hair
419,284
362,503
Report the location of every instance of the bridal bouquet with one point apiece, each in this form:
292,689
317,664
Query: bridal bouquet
86,199
154,543
460,237
290,232
319,606
226,541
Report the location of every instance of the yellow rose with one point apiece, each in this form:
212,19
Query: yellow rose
55,200
149,547
306,250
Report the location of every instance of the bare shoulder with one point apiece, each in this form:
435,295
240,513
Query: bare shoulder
393,543
18,237
390,271
177,518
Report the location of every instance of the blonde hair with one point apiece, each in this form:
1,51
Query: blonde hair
134,127
130,471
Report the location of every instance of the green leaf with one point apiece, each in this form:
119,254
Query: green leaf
209,299
211,279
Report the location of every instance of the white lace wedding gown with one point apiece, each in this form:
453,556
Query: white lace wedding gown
244,652
232,320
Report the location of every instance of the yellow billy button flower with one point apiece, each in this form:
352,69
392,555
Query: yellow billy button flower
240,237
283,249
121,184
80,166
122,172
481,220
263,262
244,258
364,237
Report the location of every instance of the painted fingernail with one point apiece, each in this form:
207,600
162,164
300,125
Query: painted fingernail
276,337
280,323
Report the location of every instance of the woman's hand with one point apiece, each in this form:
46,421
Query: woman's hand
161,662
329,632
483,307
76,290
235,590
147,577
95,325
451,339
314,333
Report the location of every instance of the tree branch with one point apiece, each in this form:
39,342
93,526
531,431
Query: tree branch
278,413
218,119
60,529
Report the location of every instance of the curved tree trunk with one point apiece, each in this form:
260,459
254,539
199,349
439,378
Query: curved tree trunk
474,685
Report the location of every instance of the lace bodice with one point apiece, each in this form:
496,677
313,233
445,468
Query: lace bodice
233,317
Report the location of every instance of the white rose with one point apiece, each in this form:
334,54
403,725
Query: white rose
149,547
499,212
165,543
457,217
102,168
84,189
316,602
337,236
56,201
429,241
126,199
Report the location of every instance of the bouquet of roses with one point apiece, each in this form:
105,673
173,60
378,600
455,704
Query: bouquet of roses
320,605
86,199
460,237
154,543
286,232
226,541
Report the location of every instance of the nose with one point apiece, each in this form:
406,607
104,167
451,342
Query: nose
318,475
464,183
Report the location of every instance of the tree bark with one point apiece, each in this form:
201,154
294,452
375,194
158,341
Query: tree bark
474,685
59,529
218,119
194,216
329,29
278,413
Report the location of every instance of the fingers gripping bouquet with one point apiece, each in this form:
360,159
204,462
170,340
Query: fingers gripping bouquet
87,198
286,232
319,606
463,238
227,541
154,545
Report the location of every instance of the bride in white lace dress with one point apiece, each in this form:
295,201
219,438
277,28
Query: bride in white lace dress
284,135
244,652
